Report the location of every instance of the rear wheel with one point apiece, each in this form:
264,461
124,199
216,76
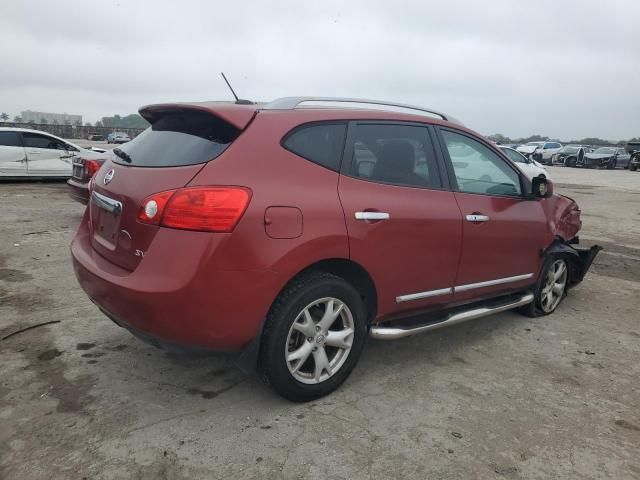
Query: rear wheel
313,337
550,289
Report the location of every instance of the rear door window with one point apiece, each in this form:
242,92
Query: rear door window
394,154
10,139
35,140
320,143
178,138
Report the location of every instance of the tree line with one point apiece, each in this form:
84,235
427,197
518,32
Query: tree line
128,121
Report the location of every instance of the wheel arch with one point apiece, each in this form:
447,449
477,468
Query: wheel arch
579,259
352,272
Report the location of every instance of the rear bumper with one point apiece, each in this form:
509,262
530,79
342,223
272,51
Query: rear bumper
78,191
176,296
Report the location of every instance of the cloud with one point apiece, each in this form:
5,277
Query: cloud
563,69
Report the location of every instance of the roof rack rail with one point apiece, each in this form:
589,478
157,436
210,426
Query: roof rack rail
290,103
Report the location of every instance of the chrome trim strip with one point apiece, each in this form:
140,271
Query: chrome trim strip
488,283
106,203
392,333
427,294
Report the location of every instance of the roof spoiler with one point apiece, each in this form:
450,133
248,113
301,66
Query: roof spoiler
237,115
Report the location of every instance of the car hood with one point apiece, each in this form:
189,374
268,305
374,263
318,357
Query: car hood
527,148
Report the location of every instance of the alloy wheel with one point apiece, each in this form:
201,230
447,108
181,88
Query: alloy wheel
319,340
554,286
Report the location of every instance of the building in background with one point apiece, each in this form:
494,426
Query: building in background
51,118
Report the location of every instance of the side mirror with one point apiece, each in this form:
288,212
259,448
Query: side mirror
541,187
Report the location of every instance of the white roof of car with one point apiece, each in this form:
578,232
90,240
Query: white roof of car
30,130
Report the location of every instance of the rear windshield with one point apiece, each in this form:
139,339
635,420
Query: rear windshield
178,138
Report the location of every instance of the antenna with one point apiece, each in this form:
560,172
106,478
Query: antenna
239,101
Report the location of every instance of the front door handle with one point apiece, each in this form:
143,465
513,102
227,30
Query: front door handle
372,216
476,218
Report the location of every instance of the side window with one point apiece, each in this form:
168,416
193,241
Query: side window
34,140
10,139
478,169
396,154
321,143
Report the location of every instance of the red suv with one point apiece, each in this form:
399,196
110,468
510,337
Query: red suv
287,232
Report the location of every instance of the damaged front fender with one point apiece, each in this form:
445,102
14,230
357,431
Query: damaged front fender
580,259
564,216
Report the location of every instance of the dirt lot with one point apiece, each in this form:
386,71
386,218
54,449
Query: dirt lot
502,397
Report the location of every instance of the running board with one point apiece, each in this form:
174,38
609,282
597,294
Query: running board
394,332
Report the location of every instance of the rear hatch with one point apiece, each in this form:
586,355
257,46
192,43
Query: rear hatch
166,156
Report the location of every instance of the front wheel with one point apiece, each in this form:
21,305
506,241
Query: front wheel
550,289
313,337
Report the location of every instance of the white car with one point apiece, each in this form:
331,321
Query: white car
31,153
540,151
529,167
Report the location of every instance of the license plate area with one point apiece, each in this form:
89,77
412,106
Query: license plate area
108,214
77,172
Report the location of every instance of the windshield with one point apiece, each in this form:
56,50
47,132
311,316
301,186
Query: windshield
569,149
605,150
513,155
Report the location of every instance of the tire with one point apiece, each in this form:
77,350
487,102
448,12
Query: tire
633,168
295,341
542,304
612,165
570,162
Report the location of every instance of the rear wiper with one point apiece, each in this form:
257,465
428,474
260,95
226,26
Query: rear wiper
123,155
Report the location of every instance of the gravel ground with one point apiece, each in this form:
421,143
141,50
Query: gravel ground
502,397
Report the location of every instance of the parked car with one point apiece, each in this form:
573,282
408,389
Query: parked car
569,155
605,157
84,168
529,167
633,149
96,137
540,151
26,153
118,137
286,233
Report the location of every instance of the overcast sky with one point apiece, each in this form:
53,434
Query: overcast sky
567,69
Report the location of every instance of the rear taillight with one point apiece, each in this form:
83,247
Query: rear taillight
153,206
91,167
207,209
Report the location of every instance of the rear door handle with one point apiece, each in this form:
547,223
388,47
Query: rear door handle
475,218
372,216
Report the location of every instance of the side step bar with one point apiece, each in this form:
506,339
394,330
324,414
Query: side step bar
394,332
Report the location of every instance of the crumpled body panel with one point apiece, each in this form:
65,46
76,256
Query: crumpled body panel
563,215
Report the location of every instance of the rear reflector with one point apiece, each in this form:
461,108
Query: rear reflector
206,209
153,215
